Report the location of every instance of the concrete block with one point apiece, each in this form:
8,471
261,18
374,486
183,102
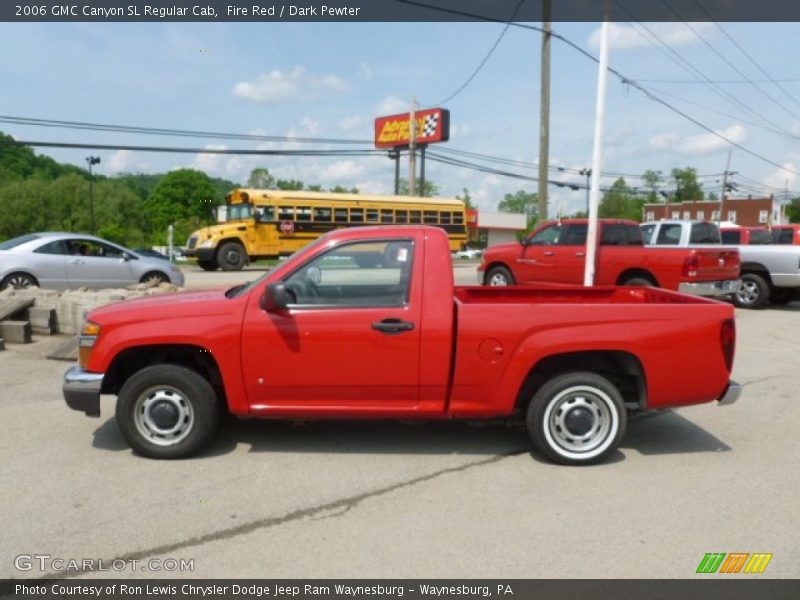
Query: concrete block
11,306
17,332
42,318
2,344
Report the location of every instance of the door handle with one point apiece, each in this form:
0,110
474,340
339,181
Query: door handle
550,253
393,326
580,254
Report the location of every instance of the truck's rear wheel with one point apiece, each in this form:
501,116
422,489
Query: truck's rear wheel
754,292
638,281
207,265
577,418
499,276
167,411
231,256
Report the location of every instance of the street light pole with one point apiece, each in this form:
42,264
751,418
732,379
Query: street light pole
92,160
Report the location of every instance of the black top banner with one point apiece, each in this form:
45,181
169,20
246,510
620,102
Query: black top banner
336,11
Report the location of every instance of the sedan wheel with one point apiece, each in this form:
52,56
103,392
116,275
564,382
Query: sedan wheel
19,281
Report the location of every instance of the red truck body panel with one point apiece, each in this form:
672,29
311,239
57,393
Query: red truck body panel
469,353
563,263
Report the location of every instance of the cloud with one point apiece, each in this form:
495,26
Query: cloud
308,128
365,71
392,105
342,172
459,131
125,161
780,178
698,145
355,122
626,37
279,86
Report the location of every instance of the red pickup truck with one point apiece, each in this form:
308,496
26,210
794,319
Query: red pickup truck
556,253
331,335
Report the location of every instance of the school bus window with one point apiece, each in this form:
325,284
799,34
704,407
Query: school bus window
356,215
340,215
445,217
387,216
431,216
372,215
458,218
322,214
286,213
401,216
303,213
416,216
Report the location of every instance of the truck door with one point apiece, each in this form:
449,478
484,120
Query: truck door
349,339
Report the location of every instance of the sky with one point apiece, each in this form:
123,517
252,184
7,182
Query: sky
331,80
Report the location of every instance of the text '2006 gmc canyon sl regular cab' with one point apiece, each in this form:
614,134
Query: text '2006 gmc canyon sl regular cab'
556,253
330,335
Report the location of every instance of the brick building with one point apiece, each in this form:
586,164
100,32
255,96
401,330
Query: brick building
747,212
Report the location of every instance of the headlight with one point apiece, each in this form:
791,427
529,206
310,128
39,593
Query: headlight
86,342
207,244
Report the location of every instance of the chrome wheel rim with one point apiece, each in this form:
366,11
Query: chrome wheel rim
498,279
748,293
163,415
20,282
232,256
581,422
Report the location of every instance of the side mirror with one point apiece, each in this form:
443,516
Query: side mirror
275,298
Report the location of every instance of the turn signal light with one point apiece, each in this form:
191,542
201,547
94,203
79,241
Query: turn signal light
86,342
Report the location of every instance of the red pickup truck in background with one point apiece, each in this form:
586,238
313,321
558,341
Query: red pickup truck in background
330,335
556,253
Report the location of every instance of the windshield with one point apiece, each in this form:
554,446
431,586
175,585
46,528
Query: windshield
244,288
18,241
239,212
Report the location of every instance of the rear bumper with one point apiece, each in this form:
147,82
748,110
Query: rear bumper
731,395
82,390
710,288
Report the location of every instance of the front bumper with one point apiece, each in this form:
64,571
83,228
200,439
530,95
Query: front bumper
82,390
731,395
206,254
710,288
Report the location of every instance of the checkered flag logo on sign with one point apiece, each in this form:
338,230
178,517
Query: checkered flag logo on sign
431,122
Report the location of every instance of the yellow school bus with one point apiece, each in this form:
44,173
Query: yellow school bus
271,223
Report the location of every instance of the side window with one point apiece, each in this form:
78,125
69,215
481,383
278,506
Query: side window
546,237
268,213
57,247
106,250
286,213
669,234
372,215
704,233
322,214
731,237
303,213
361,274
387,215
614,235
575,235
340,215
401,216
647,233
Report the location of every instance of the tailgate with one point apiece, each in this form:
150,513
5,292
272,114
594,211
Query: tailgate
717,264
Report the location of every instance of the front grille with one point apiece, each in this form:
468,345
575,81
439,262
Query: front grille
192,242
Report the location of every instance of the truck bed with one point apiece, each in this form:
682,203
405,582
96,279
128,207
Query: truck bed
569,294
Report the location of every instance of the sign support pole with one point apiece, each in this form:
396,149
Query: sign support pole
412,150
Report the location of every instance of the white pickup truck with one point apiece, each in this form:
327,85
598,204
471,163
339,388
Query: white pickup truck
770,273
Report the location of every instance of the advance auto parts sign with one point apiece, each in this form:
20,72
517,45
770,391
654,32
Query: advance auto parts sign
433,125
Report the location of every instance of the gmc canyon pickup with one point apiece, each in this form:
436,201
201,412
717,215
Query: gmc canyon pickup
330,335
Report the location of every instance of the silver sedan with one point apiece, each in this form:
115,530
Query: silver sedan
70,260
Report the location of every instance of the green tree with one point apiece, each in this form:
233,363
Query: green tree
343,190
260,178
289,184
429,190
653,181
467,199
185,198
793,210
686,185
523,202
620,201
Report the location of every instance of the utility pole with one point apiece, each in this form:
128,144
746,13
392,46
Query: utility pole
724,186
92,160
544,111
412,150
586,173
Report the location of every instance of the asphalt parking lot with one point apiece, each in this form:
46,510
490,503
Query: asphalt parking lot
286,500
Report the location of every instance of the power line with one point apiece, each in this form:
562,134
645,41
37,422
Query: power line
171,132
485,58
748,81
750,58
728,62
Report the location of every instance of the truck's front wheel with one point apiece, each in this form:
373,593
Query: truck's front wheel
753,293
231,256
499,276
577,418
207,265
167,411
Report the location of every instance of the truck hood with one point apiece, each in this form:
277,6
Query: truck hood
166,307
